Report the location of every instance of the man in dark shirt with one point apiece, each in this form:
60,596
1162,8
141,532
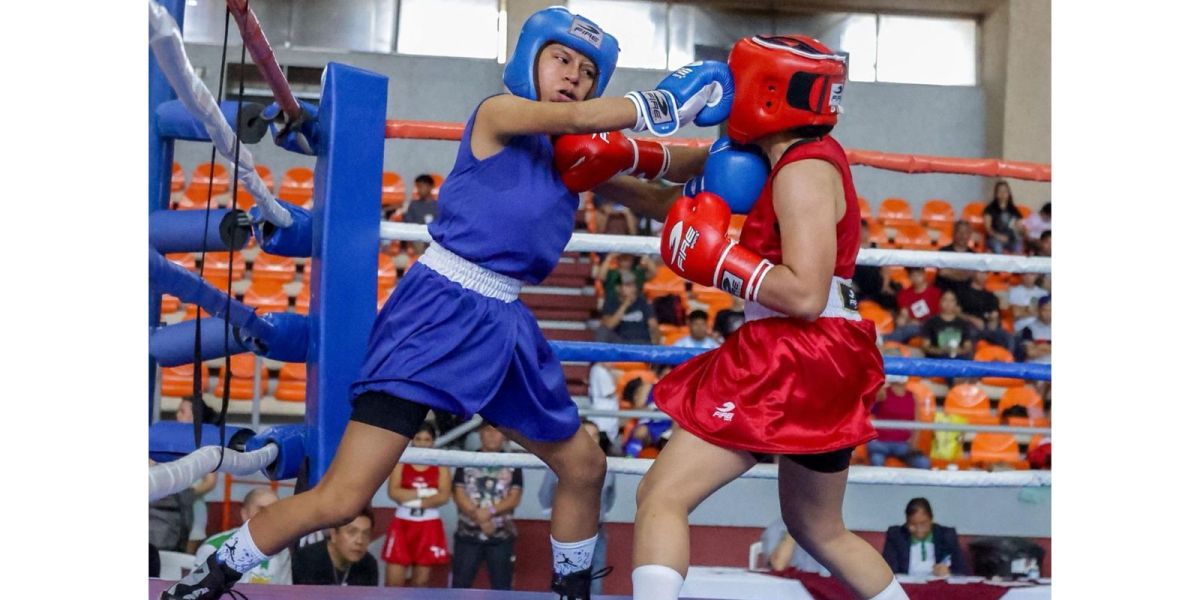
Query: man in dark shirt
340,560
486,498
976,301
423,209
948,335
956,279
628,318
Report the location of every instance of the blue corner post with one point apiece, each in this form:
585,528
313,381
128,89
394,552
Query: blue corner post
346,189
162,156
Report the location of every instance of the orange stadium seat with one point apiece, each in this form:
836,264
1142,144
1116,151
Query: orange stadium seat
303,299
911,236
715,299
1024,210
177,381
186,260
944,231
926,409
877,235
671,333
735,227
291,385
244,199
216,268
864,210
997,282
973,214
386,271
393,190
196,197
663,282
177,181
1029,398
271,269
297,186
971,402
216,172
872,311
993,353
894,212
937,211
990,448
266,296
897,348
241,384
170,304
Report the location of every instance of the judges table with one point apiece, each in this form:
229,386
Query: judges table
729,583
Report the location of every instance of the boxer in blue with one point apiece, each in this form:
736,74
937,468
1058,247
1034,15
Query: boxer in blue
454,336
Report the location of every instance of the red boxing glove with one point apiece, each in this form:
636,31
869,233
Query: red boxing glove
587,160
695,246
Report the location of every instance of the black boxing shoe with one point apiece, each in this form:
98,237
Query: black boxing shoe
209,581
577,585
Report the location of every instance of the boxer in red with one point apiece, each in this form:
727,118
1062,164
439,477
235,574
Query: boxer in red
799,377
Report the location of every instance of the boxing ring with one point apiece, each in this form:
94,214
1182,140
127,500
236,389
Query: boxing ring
342,234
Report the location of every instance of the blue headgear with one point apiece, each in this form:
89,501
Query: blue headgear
557,24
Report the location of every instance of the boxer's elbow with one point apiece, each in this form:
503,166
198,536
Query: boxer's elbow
806,305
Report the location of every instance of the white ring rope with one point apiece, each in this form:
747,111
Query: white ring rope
178,475
167,44
632,244
639,466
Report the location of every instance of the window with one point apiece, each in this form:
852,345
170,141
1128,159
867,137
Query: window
927,50
640,29
463,28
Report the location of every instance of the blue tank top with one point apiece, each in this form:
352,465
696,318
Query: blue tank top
510,212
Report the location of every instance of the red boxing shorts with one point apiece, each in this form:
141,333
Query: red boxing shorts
415,543
780,386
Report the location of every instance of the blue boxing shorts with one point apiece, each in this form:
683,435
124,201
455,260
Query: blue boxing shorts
453,336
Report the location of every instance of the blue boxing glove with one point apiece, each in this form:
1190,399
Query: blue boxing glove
299,135
700,92
732,171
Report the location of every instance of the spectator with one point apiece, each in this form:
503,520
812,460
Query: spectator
608,497
416,537
342,559
956,279
948,335
728,320
1022,299
993,332
1002,221
868,280
922,548
1036,224
1035,337
614,219
277,568
917,303
486,498
897,403
646,438
421,210
184,414
1043,248
626,263
628,318
976,301
783,553
698,335
602,391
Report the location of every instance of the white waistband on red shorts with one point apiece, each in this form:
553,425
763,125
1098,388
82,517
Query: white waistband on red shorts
835,307
471,276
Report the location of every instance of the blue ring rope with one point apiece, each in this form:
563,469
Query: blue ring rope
892,365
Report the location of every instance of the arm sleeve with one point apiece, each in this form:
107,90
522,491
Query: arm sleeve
518,480
459,477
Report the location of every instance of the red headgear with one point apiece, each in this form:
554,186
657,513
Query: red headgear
783,82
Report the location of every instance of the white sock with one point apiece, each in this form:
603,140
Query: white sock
239,551
892,592
570,557
656,582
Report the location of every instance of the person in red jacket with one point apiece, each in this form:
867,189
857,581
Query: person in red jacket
798,379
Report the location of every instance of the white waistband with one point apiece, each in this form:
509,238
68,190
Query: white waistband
471,276
835,307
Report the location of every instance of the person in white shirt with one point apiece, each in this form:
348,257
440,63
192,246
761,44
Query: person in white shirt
275,569
602,391
698,334
1035,224
1023,299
